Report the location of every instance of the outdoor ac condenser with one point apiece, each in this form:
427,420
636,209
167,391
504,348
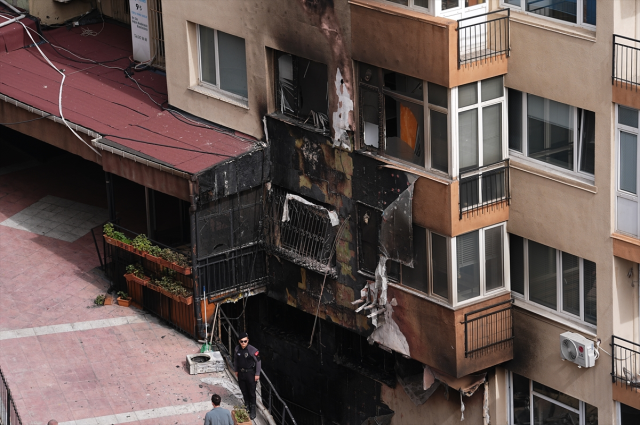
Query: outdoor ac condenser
578,349
208,362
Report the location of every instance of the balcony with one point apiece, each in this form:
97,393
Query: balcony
625,371
479,198
625,77
435,49
458,342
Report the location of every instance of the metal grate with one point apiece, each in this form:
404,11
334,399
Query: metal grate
8,413
490,331
240,269
626,61
156,29
484,187
482,41
625,363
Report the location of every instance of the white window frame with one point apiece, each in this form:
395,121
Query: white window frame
506,279
216,87
581,411
461,11
577,155
559,310
579,17
480,105
411,5
619,192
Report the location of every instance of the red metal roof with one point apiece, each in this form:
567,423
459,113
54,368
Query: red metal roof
105,100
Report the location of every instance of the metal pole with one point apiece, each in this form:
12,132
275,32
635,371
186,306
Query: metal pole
110,198
194,260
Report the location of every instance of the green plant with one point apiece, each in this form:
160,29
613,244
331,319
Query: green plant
108,230
174,257
136,270
171,285
141,243
123,295
99,300
241,414
155,250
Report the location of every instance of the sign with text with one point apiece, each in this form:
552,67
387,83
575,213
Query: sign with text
140,30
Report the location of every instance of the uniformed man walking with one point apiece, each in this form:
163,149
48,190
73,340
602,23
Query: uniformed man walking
247,364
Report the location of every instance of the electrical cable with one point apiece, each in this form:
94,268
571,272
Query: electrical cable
22,122
167,146
87,32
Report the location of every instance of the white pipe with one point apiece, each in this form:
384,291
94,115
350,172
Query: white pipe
11,21
10,6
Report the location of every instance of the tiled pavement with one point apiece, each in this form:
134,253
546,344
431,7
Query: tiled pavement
82,374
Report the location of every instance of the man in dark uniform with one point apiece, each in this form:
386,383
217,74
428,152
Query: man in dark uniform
247,364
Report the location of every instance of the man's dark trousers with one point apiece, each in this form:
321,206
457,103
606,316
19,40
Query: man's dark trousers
247,383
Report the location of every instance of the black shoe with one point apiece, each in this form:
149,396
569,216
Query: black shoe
252,412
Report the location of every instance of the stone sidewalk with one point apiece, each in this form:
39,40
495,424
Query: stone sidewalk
68,360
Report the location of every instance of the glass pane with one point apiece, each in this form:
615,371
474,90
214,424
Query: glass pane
542,275
493,258
546,412
550,131
417,277
515,119
449,4
628,161
493,183
521,412
587,123
565,10
287,92
629,415
469,195
439,141
468,139
492,88
468,265
467,95
589,12
403,84
491,134
403,2
627,213
207,55
628,116
513,2
590,293
440,266
570,284
404,128
421,3
233,64
438,95
516,261
556,395
468,3
369,101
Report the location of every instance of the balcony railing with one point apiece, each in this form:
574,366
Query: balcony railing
626,61
236,269
625,363
8,413
483,40
488,329
484,187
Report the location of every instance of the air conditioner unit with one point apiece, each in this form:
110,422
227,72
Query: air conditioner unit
208,362
578,349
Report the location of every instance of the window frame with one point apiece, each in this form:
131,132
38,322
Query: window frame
216,87
411,5
581,411
579,14
559,293
524,155
620,193
506,280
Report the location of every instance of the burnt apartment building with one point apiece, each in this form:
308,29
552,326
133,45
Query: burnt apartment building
411,201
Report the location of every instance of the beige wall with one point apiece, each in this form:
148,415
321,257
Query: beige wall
53,12
625,300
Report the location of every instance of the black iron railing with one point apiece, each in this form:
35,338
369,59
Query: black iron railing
8,412
482,41
273,403
488,329
625,363
626,61
484,187
237,269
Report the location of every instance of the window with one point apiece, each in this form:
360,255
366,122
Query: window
302,88
424,4
223,63
554,279
552,132
430,253
369,220
534,403
393,118
579,12
480,268
628,415
627,217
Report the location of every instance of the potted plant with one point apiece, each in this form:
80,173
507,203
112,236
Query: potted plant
124,299
154,253
177,261
240,416
135,273
141,244
113,237
171,288
99,300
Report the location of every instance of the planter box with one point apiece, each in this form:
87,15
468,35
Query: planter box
130,277
235,421
188,300
110,241
124,303
138,252
183,270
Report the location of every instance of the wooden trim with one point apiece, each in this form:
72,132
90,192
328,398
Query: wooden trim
626,247
626,94
626,395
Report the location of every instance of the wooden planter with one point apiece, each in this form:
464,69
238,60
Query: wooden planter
188,300
235,421
124,302
130,277
183,270
110,241
157,260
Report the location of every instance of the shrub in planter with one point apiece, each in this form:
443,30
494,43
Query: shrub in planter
141,244
114,237
178,262
240,415
135,272
124,299
99,300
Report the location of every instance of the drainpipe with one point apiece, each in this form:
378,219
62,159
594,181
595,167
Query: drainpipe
199,330
11,21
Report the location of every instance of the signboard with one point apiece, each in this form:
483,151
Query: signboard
140,30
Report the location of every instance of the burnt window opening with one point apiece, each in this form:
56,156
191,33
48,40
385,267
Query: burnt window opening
418,276
302,89
369,220
394,115
300,231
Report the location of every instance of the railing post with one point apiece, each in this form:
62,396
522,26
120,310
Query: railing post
466,347
613,357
